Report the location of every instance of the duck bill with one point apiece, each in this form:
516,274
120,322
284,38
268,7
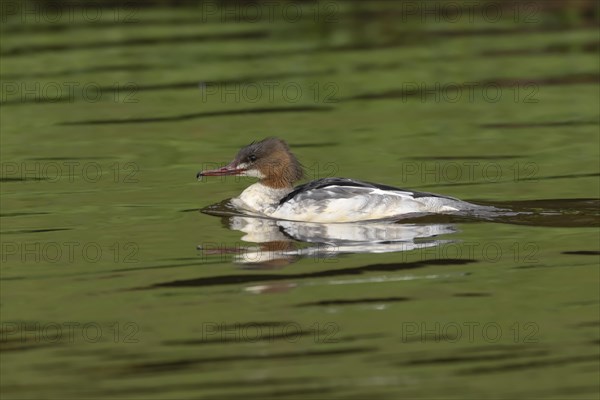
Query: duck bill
231,169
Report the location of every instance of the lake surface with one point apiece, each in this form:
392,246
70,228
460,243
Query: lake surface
115,282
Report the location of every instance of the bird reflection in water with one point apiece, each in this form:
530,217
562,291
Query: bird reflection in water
281,242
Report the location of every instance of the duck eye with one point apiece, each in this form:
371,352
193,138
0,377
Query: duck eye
252,157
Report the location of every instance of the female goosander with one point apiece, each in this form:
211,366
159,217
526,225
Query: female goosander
322,200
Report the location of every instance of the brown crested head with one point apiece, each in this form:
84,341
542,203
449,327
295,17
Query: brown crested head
270,160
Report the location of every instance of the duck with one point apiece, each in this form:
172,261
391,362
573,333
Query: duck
325,200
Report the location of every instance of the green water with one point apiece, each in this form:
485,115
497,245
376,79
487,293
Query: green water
105,294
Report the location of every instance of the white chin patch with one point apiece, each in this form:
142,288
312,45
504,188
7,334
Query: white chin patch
254,173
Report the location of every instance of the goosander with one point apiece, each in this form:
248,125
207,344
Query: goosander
326,200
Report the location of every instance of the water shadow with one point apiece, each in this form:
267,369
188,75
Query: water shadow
24,231
210,114
549,124
558,48
534,364
252,278
70,72
150,41
188,363
22,214
11,179
344,302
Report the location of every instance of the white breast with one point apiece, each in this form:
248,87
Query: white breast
259,198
